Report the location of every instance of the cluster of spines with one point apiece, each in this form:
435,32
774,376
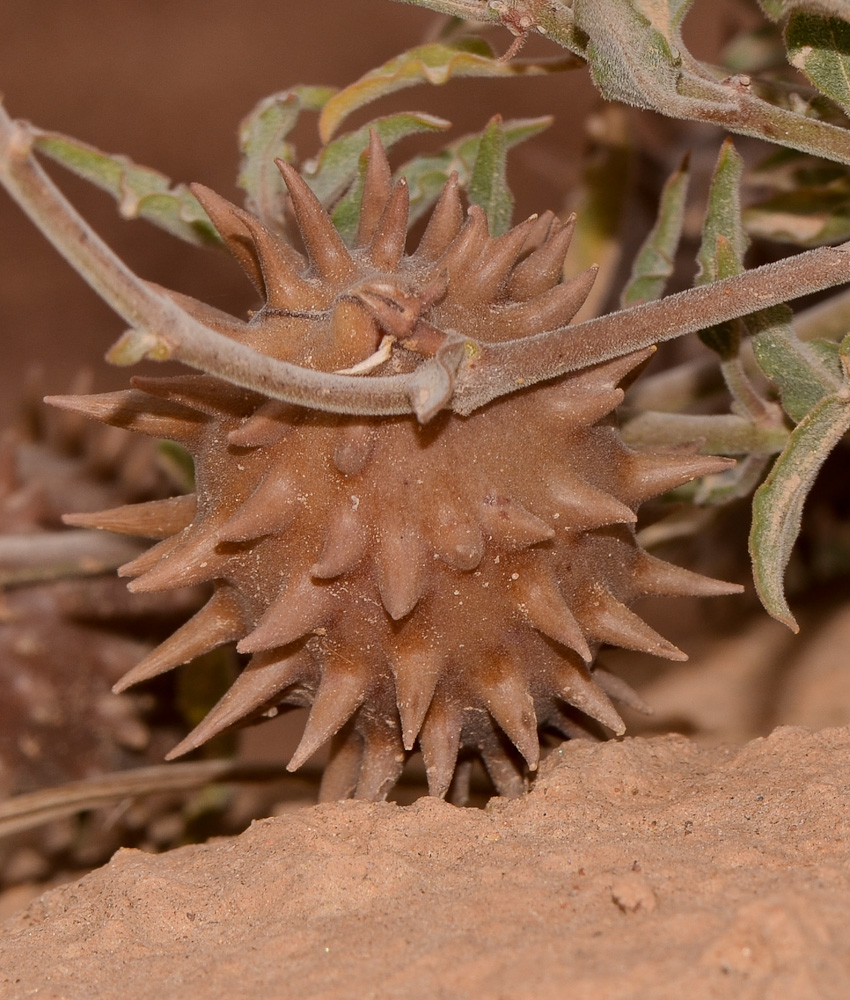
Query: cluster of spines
330,310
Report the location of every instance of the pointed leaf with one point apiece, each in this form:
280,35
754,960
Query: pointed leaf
141,193
801,375
778,502
435,64
724,242
653,264
808,217
426,175
820,48
488,185
263,138
338,162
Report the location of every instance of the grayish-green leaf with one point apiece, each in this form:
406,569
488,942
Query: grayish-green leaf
801,373
263,138
434,64
488,184
426,175
337,163
820,48
141,193
778,10
778,502
654,262
724,242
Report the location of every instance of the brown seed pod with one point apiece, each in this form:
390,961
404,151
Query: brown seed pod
443,585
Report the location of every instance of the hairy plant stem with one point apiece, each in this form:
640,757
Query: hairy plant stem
720,434
470,374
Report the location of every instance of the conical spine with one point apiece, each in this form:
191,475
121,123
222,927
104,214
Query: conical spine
439,739
383,761
343,547
510,526
155,519
387,244
542,268
655,577
416,672
544,606
328,253
298,610
263,679
376,190
221,620
589,507
577,687
648,475
268,510
550,310
505,693
398,564
445,222
136,411
605,618
341,691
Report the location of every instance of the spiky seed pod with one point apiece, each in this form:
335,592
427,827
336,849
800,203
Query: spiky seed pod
443,586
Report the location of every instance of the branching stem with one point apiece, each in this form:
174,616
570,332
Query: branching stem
161,329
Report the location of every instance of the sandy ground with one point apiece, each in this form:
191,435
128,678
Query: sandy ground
641,868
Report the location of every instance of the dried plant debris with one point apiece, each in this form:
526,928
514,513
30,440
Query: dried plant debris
69,630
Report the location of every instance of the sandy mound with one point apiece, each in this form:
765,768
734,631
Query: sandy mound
641,868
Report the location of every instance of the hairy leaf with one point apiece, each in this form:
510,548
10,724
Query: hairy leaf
426,175
724,243
488,184
802,376
435,64
778,10
820,48
778,502
337,163
653,264
141,193
263,138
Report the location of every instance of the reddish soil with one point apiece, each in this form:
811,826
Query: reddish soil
651,868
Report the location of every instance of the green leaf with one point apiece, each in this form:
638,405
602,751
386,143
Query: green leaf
263,138
778,502
724,243
820,48
435,64
723,216
778,10
653,264
426,175
488,185
800,372
805,217
141,193
337,164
